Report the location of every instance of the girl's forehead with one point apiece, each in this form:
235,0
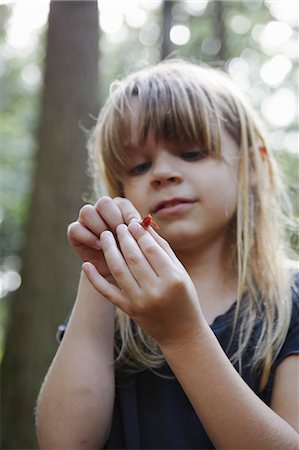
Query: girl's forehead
139,131
130,123
133,127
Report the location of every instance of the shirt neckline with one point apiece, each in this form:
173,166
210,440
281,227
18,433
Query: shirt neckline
224,318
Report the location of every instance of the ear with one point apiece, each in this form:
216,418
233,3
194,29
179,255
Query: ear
263,154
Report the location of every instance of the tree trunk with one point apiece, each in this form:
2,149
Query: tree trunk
166,47
51,269
218,21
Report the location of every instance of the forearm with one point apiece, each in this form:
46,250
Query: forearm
232,414
75,404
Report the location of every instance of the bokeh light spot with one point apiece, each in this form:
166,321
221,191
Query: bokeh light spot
195,7
279,109
274,71
149,34
240,24
274,34
211,45
180,34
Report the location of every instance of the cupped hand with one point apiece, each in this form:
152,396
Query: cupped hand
152,286
106,214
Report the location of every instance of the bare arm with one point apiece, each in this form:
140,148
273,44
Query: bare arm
162,299
232,414
285,394
74,407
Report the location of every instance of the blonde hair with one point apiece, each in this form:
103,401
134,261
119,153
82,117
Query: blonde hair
187,102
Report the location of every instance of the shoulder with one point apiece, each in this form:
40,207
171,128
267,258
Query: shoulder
284,400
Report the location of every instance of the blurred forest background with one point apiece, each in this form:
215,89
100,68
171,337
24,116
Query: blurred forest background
57,61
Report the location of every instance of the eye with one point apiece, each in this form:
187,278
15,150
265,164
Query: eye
139,169
193,155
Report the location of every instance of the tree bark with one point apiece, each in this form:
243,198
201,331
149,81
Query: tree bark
218,21
166,47
50,267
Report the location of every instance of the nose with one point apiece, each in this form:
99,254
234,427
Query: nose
165,171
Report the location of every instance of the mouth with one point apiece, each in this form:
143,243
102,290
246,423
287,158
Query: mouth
171,205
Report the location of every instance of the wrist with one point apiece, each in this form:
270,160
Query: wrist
92,315
186,339
87,291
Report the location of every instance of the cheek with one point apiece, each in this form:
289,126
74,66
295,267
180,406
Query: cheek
135,195
221,197
130,188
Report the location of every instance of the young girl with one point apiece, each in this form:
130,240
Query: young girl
204,352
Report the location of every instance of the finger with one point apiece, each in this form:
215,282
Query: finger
109,212
163,243
138,264
90,218
79,235
118,266
128,210
158,258
104,287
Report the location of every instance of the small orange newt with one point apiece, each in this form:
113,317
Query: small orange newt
148,220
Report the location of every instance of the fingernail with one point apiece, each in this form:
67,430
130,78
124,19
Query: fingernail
106,236
121,228
85,267
98,244
134,227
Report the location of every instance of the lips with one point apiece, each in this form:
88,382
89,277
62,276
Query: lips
169,203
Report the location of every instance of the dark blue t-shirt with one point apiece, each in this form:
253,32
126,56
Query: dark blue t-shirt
151,410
